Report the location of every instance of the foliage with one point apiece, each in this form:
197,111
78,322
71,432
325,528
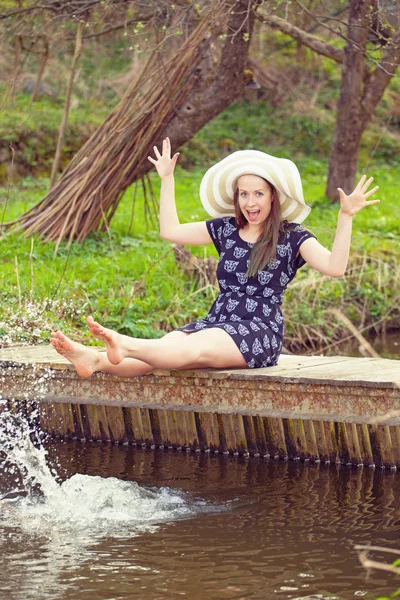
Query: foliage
128,289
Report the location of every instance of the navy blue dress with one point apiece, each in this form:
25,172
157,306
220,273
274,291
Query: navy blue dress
249,308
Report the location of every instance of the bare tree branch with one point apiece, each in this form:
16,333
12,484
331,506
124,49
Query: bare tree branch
309,40
382,75
139,19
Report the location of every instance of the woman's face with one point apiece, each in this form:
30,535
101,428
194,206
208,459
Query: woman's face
255,198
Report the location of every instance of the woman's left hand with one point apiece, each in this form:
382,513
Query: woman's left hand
357,200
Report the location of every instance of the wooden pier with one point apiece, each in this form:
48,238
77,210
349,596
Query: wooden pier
331,409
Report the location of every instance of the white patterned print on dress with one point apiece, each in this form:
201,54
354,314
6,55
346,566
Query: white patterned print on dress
200,325
251,305
251,364
242,329
267,362
219,234
267,292
243,346
274,343
254,326
228,229
284,279
241,278
221,256
223,284
266,342
231,265
230,243
264,277
239,252
278,317
230,329
256,347
283,249
222,318
250,289
218,306
275,300
274,326
232,304
212,319
274,263
234,288
266,310
235,317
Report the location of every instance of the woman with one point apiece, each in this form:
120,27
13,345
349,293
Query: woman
260,247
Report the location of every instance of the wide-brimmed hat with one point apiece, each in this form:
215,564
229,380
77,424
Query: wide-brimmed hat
218,184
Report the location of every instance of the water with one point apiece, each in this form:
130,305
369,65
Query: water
82,521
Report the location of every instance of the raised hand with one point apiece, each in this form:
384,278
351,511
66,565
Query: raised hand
357,200
164,164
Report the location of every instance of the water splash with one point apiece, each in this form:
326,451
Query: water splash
36,502
50,527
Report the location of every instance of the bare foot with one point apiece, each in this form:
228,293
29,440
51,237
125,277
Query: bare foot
112,340
85,360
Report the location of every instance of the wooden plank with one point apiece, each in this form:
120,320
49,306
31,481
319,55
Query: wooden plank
165,437
250,436
192,437
116,426
326,368
275,437
365,444
322,445
343,443
311,441
208,431
261,439
289,428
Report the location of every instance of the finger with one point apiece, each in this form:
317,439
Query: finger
341,193
156,152
175,158
370,202
372,191
168,146
361,182
367,184
151,160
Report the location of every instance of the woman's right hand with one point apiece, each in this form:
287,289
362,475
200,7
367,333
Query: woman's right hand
164,164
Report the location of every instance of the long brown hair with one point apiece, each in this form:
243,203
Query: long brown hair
264,250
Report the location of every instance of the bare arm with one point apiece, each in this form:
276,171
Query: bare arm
334,263
195,234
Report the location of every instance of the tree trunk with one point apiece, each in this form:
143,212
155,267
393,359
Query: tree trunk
61,134
16,70
350,118
361,88
185,94
44,57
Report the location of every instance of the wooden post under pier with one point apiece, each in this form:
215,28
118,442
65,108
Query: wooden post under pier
336,409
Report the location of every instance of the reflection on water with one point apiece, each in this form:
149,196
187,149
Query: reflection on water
157,525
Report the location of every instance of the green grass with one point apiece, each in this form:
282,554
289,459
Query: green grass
98,276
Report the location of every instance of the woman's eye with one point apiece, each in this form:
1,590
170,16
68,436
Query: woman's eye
260,194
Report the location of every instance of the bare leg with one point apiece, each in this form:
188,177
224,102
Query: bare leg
207,348
89,360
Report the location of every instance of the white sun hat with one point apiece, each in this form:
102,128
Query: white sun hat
218,184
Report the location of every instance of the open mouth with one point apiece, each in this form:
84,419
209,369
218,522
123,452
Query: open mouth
253,215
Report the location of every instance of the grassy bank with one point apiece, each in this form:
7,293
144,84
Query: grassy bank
129,279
